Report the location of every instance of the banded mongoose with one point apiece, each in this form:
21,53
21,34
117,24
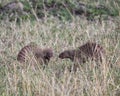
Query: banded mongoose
90,50
40,55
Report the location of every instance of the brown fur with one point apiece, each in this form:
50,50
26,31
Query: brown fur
41,55
90,50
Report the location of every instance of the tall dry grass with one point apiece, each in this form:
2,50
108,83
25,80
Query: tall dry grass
56,80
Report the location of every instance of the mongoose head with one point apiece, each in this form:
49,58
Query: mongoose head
67,54
48,53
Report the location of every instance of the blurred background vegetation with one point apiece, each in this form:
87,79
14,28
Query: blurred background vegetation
65,9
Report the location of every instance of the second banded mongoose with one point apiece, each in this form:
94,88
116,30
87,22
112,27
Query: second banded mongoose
90,50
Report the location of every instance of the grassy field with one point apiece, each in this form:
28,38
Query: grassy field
55,79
